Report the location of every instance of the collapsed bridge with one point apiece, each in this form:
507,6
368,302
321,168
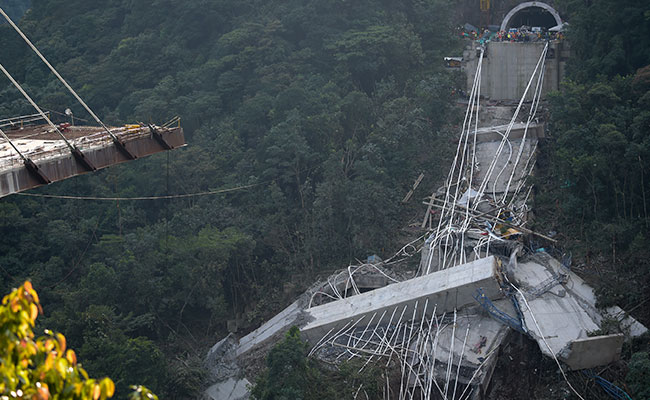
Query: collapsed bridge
484,276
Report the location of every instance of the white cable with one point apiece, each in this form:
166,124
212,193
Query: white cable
505,165
54,71
510,125
468,114
541,335
531,116
460,360
36,107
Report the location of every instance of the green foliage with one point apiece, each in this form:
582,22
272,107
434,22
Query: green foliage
187,374
600,152
128,360
142,393
595,168
331,108
14,8
607,38
287,371
40,368
289,374
638,377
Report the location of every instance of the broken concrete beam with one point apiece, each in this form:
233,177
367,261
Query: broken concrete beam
495,133
567,314
505,163
272,329
57,163
446,290
294,315
583,293
231,389
593,351
344,284
559,314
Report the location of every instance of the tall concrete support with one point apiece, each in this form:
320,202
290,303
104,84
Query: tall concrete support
508,66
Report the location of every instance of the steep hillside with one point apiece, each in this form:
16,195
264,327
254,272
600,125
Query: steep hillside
593,186
325,111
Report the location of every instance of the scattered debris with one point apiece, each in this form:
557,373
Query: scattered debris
479,282
415,186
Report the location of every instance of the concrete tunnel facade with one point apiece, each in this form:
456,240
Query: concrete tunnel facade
540,14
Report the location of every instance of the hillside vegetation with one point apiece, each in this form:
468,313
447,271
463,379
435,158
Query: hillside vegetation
330,108
593,172
596,167
14,8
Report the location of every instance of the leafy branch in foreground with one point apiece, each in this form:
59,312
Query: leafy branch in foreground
43,368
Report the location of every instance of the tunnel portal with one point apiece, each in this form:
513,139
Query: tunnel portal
532,13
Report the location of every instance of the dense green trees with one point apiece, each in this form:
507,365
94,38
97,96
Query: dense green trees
595,169
639,376
607,38
289,374
14,8
43,367
332,108
598,167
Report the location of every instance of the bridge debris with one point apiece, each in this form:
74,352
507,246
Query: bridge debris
479,283
444,290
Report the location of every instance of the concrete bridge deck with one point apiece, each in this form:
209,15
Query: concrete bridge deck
55,161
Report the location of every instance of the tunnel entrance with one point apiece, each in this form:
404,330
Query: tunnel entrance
533,16
532,13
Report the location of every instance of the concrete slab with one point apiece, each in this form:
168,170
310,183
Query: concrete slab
55,160
480,326
586,296
277,325
220,362
485,153
593,351
231,389
560,319
446,290
508,66
566,314
493,115
495,133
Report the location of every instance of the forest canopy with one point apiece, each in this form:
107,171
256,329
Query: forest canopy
330,108
594,170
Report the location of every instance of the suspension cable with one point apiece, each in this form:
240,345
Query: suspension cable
55,72
5,137
29,164
38,109
78,155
